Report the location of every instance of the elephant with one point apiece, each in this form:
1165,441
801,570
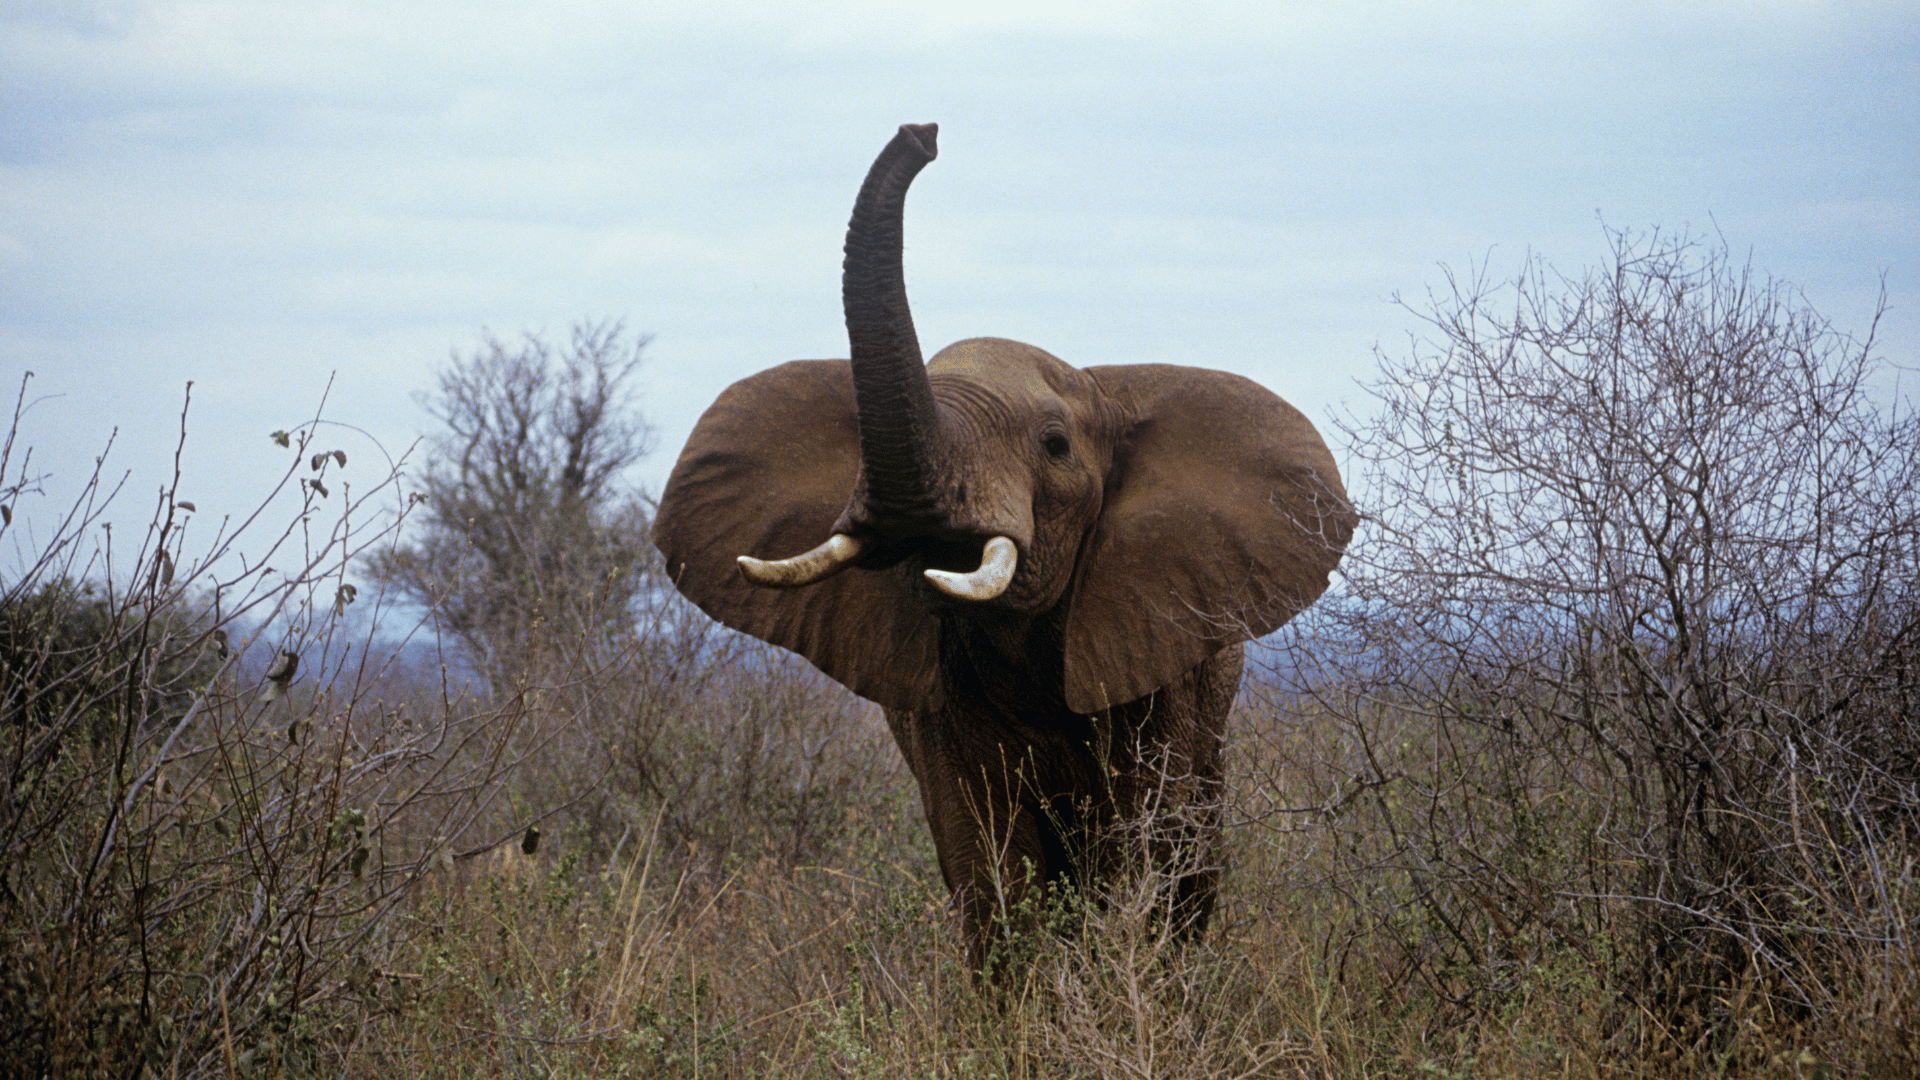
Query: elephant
1044,574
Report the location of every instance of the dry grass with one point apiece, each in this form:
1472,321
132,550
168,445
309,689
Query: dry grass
667,966
664,960
733,878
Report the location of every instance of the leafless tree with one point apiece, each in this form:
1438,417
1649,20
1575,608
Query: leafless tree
528,534
1632,633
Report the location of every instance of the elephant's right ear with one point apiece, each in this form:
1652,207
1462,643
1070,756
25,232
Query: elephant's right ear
767,471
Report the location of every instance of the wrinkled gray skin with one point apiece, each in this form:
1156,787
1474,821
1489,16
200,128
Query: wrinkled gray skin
1072,724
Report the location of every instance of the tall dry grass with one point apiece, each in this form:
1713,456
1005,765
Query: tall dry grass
671,854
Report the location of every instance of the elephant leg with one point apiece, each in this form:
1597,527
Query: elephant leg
1167,829
1200,866
1186,842
1169,787
997,866
998,851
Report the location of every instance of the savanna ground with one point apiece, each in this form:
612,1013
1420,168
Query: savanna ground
285,909
1603,761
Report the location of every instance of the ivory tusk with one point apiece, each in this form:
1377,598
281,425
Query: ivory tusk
997,563
817,565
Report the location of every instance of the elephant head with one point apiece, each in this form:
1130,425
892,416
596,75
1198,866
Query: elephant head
1106,528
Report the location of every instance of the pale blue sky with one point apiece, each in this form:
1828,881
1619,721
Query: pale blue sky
256,195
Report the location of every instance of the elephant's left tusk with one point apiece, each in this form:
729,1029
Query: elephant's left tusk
996,571
819,564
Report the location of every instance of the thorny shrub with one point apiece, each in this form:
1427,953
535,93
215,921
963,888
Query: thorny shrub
224,800
205,822
1627,657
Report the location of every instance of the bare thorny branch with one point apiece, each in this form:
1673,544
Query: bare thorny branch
1644,551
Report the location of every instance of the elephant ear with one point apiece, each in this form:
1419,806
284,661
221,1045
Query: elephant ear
1224,515
767,472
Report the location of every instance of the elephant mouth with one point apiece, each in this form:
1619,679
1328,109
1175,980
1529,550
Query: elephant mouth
955,555
955,569
968,568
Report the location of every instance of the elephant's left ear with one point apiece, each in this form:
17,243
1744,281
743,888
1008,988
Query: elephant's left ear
1224,515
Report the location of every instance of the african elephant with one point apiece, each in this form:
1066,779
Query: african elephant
1043,573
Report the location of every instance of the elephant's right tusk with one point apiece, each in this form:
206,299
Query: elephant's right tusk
819,564
997,563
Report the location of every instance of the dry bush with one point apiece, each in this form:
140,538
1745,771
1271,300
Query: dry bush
657,967
1604,766
642,717
523,530
211,870
653,967
1622,675
205,827
672,729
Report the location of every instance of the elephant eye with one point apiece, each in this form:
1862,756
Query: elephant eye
1055,444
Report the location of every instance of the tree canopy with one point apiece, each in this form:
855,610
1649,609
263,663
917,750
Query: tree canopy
529,536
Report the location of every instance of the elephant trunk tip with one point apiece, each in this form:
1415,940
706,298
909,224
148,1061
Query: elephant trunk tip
923,137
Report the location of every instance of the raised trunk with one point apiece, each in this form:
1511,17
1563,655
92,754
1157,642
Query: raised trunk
899,431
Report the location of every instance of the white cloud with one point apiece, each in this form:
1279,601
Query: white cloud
220,189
